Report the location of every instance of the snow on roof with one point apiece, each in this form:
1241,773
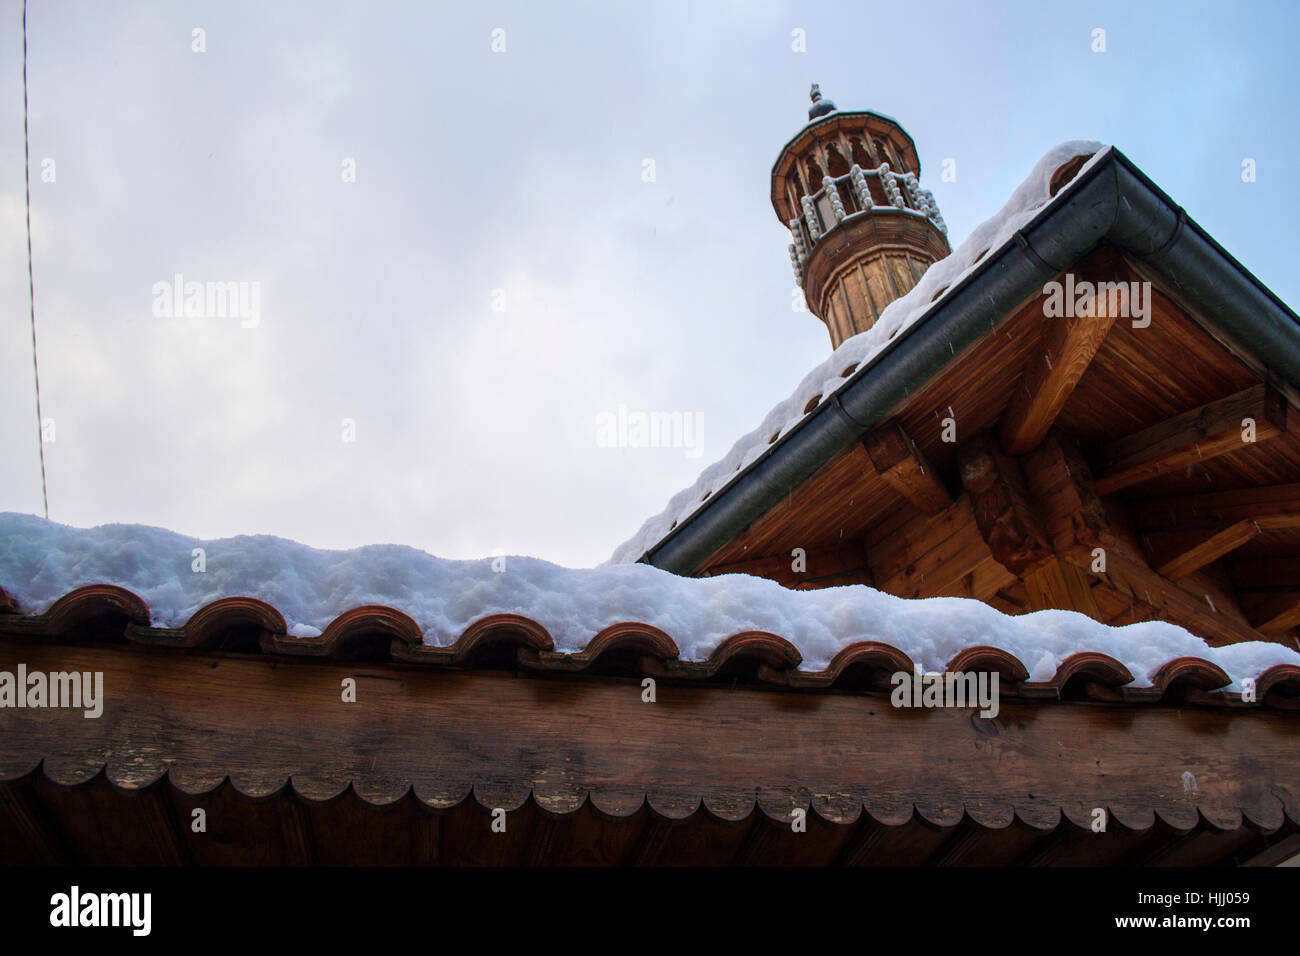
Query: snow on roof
40,561
1025,203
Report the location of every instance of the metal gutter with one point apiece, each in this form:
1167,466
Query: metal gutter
1113,201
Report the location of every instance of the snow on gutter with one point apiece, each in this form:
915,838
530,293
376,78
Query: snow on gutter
1031,240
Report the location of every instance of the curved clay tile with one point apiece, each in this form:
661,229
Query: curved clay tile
484,633
762,647
644,639
78,607
1284,679
873,655
349,634
982,657
1190,671
211,623
1102,676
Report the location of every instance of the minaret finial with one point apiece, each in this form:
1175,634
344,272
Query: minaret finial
820,105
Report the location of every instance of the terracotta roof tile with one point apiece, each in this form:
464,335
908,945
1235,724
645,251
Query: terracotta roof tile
377,632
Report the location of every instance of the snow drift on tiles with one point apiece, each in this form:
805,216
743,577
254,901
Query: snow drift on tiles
40,561
1025,203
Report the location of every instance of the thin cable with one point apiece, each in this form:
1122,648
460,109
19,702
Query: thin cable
31,282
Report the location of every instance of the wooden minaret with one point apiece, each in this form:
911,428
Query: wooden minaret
864,230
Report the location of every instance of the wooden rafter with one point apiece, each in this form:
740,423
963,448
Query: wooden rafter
1202,433
1258,573
903,466
1069,346
820,567
1274,506
1176,554
1273,612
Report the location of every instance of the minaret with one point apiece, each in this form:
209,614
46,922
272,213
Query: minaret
847,186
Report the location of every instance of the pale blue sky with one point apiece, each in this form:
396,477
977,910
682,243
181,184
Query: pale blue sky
519,171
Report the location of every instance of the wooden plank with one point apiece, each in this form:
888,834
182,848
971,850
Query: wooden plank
899,461
1202,614
818,567
1058,584
1273,572
1272,612
1176,554
938,561
1001,504
443,732
1269,503
1060,481
1069,346
1206,432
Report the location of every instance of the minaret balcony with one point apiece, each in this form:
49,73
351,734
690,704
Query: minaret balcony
858,193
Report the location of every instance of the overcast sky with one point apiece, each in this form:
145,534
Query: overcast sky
516,179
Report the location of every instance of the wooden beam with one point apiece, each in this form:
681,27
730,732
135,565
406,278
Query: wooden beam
1202,433
943,556
903,466
1058,584
1060,481
1272,612
1176,554
819,567
1259,573
444,732
1001,504
1202,614
1069,346
1275,506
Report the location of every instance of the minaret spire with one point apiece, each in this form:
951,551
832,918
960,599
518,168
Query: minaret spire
863,229
820,106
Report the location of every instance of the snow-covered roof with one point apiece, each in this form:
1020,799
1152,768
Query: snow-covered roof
41,562
1025,203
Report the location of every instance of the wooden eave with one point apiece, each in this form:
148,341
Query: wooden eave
1130,382
587,772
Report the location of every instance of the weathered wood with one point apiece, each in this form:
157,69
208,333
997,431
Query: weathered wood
1272,572
1065,496
1273,612
444,733
1176,554
1002,507
821,567
1273,504
1204,614
1202,433
943,556
1058,584
904,468
1069,346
